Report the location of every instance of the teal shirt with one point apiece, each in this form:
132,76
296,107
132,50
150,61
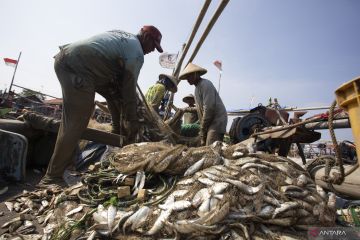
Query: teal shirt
111,60
102,55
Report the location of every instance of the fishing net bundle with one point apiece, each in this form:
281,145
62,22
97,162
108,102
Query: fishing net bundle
226,191
161,157
212,192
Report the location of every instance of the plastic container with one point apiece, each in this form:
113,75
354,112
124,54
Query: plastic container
348,97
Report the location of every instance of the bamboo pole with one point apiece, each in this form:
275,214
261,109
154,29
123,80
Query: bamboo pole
13,77
202,39
191,38
214,18
184,52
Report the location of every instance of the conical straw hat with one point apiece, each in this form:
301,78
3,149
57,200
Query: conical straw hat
172,79
187,98
191,68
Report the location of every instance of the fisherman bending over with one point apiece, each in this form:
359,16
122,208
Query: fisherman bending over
108,64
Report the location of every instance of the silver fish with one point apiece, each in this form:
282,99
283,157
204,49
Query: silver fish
242,161
245,188
48,216
6,224
291,188
27,228
243,228
187,181
139,182
204,207
75,210
285,207
206,181
100,216
215,216
211,176
17,206
256,165
266,212
168,202
321,192
142,216
9,205
295,194
159,223
313,198
219,187
194,168
111,214
215,199
123,219
200,196
44,203
302,180
137,219
176,194
181,205
179,193
271,200
226,170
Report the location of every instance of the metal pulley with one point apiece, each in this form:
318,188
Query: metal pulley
242,127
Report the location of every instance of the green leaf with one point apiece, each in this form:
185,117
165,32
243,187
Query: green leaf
355,217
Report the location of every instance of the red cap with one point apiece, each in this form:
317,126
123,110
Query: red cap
156,35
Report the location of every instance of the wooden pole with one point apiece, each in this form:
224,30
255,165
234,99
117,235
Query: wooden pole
191,38
209,27
289,109
13,77
184,52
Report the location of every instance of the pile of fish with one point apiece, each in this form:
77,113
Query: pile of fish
212,192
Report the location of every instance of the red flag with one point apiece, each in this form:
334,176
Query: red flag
10,62
218,64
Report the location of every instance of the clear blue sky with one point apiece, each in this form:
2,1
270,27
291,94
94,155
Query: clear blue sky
298,51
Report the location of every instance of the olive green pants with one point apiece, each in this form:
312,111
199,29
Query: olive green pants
78,103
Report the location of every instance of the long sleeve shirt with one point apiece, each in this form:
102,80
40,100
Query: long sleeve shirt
211,110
